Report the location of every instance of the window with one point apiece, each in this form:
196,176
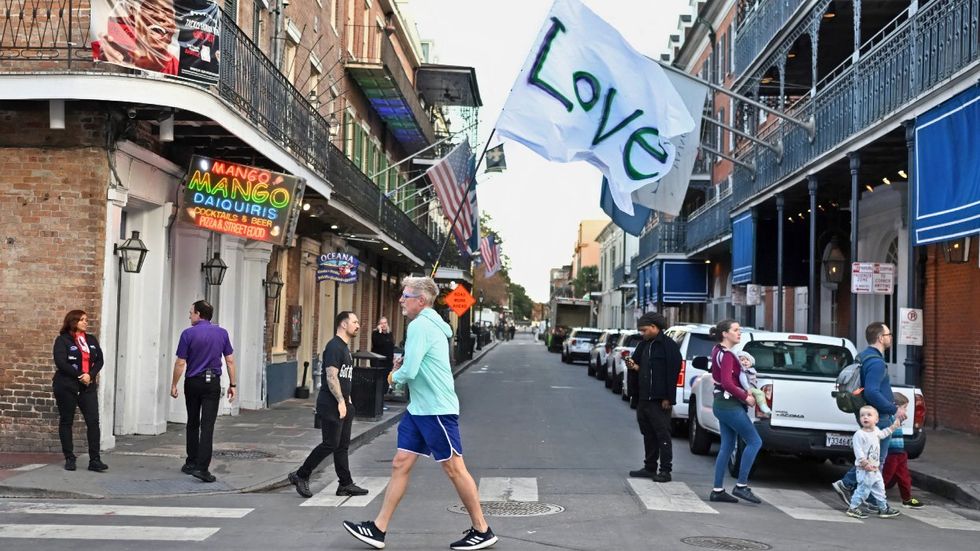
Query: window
334,15
731,122
800,358
719,137
358,156
731,51
289,61
348,136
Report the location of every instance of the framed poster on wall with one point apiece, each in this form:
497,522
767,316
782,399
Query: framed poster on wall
294,327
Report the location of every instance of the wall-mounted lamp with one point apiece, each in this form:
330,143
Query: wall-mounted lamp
214,270
133,253
313,99
273,286
957,251
834,263
333,125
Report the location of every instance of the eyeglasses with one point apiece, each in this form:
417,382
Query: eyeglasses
409,295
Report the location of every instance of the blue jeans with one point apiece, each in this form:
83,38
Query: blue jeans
733,423
850,478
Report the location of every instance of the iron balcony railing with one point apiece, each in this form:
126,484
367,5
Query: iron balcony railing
759,27
908,60
709,224
663,238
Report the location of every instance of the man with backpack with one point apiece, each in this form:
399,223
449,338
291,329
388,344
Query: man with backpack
877,393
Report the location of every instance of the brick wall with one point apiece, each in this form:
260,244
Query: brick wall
951,375
52,234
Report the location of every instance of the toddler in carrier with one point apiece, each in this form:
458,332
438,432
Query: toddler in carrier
750,382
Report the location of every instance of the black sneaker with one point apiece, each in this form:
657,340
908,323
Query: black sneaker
350,490
302,484
472,539
203,476
856,513
97,465
721,496
70,464
662,476
642,473
188,468
843,491
744,492
888,512
367,532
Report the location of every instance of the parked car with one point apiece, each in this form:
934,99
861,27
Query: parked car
798,373
602,348
578,345
616,381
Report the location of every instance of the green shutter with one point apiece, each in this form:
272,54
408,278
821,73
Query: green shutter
358,156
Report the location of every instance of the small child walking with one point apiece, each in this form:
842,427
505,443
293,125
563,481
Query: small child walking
749,380
867,454
896,469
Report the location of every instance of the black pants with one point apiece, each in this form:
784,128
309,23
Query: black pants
655,425
336,441
202,400
69,394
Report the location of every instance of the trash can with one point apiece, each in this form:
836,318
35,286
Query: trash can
368,386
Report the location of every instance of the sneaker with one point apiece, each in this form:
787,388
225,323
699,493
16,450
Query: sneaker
472,539
349,490
869,508
913,503
888,512
70,464
203,476
856,513
642,473
188,468
97,465
302,484
843,491
721,496
744,492
662,476
367,532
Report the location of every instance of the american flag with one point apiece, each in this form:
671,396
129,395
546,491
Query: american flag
451,178
490,252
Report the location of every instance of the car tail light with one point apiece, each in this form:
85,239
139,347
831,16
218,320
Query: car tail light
767,390
624,354
572,342
680,376
919,418
798,338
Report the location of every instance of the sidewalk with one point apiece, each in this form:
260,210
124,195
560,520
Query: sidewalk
948,467
253,451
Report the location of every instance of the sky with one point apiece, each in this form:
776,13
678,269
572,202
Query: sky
536,205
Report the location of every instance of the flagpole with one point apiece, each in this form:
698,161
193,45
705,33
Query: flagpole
476,167
419,152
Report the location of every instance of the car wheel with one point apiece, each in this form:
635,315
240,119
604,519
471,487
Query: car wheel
564,358
600,371
608,379
591,369
634,402
915,446
617,386
698,439
678,428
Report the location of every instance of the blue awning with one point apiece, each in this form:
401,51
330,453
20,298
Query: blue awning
653,278
685,281
743,249
947,175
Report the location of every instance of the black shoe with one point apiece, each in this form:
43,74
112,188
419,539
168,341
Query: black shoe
97,465
843,491
744,492
721,496
302,484
70,464
350,490
188,468
203,476
367,532
662,476
642,473
472,539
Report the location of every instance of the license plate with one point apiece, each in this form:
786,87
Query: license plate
839,440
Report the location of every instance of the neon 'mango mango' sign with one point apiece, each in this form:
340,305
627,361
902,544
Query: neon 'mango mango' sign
240,200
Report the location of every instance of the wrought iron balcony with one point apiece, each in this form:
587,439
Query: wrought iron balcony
758,28
907,60
709,223
663,238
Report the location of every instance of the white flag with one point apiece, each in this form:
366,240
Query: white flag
585,94
667,194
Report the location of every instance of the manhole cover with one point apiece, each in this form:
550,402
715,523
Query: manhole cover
243,454
729,544
512,509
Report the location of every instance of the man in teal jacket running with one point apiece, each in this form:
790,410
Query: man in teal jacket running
431,424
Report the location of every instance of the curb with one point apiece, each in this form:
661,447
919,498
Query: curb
14,492
945,488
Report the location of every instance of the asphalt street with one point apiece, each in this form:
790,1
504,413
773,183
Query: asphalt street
539,436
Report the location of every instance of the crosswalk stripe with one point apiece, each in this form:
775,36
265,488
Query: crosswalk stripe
29,467
82,532
494,488
123,510
668,496
327,496
942,518
801,505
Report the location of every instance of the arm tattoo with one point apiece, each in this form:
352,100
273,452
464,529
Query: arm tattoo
333,383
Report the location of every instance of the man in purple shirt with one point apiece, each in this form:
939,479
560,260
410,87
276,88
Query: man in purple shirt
199,350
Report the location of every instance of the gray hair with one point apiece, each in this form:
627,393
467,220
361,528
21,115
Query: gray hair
425,286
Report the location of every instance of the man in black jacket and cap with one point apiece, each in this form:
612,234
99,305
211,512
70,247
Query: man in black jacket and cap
657,361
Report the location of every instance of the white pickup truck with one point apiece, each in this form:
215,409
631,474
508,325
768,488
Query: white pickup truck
798,375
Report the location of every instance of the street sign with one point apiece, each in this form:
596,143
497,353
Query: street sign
872,278
753,295
459,300
910,326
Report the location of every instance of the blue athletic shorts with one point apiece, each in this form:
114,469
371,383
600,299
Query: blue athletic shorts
433,435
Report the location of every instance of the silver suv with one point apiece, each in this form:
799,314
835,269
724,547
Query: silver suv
578,345
603,347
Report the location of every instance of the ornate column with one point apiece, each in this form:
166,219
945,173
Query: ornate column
812,307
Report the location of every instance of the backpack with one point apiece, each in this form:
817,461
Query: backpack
850,388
